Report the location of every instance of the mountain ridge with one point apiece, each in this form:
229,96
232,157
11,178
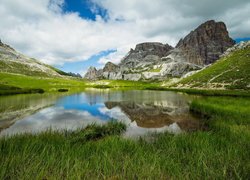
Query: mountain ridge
158,61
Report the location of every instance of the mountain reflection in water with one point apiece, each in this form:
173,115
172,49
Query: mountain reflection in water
142,111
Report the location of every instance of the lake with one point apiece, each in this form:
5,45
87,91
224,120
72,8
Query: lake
143,111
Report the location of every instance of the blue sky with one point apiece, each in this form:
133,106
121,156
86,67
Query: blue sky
82,66
83,8
80,6
242,39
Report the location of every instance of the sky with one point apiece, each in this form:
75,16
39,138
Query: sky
75,34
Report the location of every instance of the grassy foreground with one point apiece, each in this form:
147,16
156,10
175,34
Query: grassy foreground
97,152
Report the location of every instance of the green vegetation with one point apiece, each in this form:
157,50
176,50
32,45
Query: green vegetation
231,72
221,152
122,84
33,82
16,84
218,92
9,90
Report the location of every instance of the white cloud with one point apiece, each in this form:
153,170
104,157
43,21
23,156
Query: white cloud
40,29
116,56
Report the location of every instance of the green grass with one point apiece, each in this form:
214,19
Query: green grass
9,90
122,84
230,72
97,152
29,84
34,82
214,92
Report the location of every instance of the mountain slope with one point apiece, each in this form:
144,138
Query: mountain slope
231,71
12,61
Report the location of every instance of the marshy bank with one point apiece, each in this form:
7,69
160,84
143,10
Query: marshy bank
222,152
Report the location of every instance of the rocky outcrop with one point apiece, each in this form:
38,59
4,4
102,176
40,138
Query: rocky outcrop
240,46
110,67
157,61
206,43
91,74
148,52
5,46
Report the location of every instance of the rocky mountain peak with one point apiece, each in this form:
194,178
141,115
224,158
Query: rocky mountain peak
91,73
155,48
206,43
143,52
110,67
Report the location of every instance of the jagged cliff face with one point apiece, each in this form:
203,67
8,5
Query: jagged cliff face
152,60
206,43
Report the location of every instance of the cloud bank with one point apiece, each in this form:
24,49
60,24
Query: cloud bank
42,29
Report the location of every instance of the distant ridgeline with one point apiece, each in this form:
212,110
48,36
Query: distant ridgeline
12,61
157,61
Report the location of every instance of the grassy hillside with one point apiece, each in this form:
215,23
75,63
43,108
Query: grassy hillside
25,69
230,72
12,61
33,82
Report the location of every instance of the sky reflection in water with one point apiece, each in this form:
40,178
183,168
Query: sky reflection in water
142,111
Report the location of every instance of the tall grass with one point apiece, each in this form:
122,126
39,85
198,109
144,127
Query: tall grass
97,152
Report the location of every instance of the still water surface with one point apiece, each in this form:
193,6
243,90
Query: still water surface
143,111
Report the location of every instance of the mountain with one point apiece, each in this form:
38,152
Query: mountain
12,61
206,43
231,71
157,61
